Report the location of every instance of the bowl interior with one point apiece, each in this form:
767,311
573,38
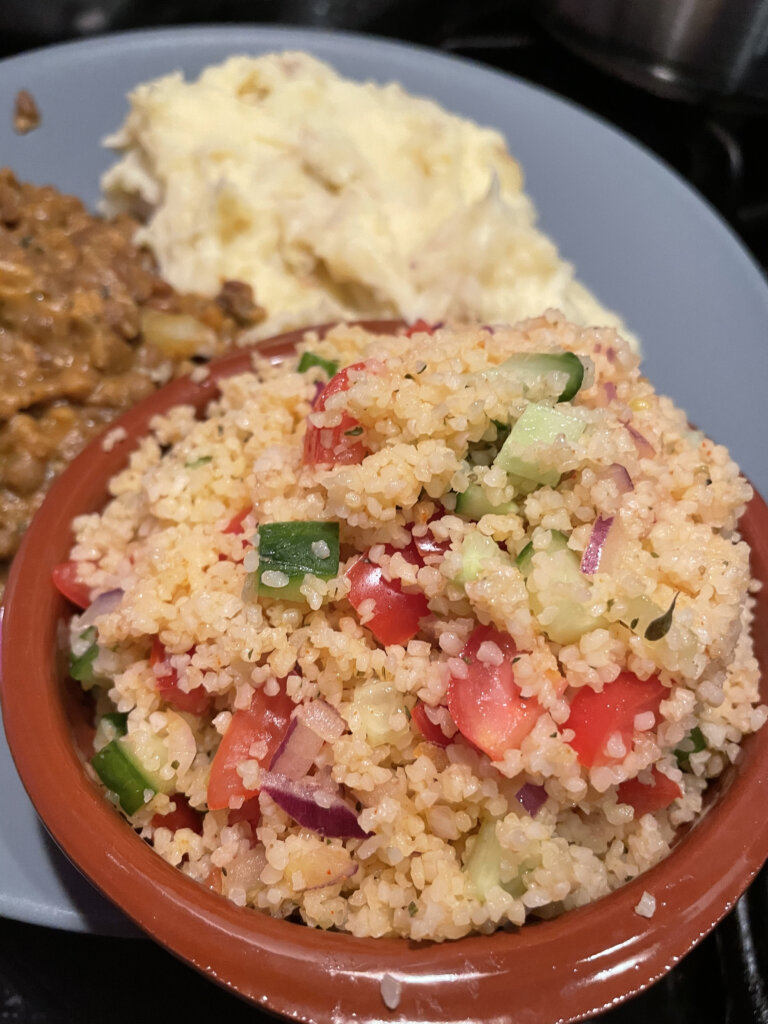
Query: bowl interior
561,969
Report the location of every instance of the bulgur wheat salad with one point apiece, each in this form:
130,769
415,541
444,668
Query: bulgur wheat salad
419,634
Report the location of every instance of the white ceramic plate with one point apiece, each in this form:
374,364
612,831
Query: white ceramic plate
639,236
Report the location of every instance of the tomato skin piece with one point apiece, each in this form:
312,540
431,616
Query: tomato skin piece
235,525
432,733
428,544
334,446
183,816
64,576
646,799
266,720
196,702
486,705
396,613
595,716
420,327
250,811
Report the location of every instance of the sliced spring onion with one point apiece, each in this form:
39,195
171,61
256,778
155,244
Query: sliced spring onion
309,359
110,727
81,665
693,743
120,774
289,551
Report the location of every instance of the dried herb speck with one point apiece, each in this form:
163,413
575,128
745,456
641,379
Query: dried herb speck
659,628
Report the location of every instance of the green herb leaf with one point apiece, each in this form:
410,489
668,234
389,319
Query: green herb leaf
658,628
412,909
693,743
354,432
202,461
309,359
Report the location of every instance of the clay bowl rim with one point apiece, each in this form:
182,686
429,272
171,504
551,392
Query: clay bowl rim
565,969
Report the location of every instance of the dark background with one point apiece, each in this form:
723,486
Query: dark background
717,143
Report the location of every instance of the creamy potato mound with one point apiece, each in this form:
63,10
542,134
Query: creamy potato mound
334,198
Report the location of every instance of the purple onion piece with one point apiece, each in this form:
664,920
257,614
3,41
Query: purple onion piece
313,806
620,476
532,798
610,390
297,751
322,719
319,388
102,605
644,447
348,872
590,560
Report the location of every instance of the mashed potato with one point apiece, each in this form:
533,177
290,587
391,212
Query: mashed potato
334,199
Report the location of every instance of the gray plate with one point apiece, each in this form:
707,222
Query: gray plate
639,236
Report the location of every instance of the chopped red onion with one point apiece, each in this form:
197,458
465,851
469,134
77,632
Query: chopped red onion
339,876
313,806
619,475
319,388
610,390
297,751
102,605
532,798
590,560
322,719
644,447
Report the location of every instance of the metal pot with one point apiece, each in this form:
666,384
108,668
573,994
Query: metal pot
679,48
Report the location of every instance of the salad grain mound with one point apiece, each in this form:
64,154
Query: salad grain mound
418,635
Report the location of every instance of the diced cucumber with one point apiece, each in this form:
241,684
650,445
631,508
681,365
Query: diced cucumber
474,504
130,767
531,367
484,863
479,553
374,705
288,552
110,727
309,359
539,425
567,591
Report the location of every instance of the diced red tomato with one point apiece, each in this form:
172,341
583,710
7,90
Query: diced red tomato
65,579
595,716
486,706
265,721
250,811
196,701
183,816
420,327
235,525
649,797
428,545
339,445
396,613
431,732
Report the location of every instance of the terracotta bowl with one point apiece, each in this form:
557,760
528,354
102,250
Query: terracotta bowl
560,970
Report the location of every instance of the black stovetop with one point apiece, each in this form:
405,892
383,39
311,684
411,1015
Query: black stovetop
718,147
